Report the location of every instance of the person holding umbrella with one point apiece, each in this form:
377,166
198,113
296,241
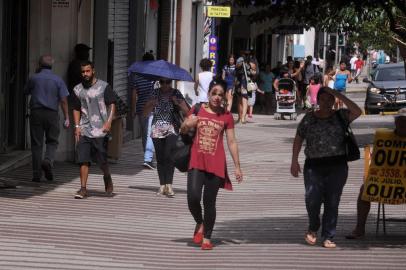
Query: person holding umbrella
163,104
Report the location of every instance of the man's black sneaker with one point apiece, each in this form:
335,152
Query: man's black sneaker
36,179
47,168
108,184
81,193
149,165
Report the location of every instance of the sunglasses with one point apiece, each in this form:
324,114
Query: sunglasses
165,81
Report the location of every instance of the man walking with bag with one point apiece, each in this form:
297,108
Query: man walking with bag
47,91
94,109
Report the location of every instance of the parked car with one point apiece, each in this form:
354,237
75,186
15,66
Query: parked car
387,89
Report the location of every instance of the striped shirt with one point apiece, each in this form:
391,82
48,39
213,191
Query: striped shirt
144,89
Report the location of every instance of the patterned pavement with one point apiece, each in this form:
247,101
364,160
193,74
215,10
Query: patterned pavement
260,225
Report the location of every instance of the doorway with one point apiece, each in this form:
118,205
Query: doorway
14,74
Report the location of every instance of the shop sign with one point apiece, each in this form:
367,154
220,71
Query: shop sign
386,178
213,52
218,12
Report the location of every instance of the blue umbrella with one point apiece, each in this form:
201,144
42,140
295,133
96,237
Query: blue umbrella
158,69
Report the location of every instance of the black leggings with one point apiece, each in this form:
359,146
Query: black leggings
195,181
165,166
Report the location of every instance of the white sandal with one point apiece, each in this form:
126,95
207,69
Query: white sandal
329,244
310,238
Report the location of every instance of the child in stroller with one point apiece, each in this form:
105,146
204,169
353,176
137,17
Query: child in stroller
285,93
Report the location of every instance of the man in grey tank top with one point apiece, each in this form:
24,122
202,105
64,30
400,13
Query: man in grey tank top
93,111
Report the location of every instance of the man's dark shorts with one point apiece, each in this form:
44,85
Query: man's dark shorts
92,149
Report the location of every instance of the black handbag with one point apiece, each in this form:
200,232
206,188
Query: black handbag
177,115
352,152
181,150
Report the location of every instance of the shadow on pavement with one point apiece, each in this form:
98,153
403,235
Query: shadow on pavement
154,189
290,230
66,172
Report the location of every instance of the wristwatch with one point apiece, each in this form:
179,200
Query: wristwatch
77,126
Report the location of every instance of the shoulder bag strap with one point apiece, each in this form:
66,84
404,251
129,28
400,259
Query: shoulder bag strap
245,71
346,126
197,108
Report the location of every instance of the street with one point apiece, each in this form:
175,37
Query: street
84,80
260,225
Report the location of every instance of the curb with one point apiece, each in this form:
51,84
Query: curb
19,160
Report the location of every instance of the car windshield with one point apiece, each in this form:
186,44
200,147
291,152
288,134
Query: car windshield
390,74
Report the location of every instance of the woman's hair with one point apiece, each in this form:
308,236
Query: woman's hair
205,64
229,57
283,71
322,90
217,80
328,69
315,78
342,62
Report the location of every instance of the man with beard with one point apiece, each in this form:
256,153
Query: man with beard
93,111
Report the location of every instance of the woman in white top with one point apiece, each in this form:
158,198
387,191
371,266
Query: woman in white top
328,80
203,81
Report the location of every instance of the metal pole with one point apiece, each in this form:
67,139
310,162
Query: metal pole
324,49
213,22
336,57
397,54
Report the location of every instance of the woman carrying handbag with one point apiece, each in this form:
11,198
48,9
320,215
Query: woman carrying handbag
325,169
163,103
207,167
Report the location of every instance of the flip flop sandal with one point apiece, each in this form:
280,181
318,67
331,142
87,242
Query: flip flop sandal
310,238
329,244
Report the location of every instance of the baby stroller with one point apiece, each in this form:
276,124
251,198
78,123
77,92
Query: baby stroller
286,99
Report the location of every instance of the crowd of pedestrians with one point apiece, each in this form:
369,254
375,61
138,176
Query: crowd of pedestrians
155,102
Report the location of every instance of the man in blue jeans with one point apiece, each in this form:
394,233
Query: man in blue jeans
141,93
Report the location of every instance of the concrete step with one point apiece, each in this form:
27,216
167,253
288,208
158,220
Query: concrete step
13,160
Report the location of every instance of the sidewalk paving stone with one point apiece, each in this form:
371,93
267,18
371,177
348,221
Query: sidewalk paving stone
260,225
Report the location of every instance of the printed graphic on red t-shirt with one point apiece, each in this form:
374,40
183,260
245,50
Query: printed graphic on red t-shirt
208,135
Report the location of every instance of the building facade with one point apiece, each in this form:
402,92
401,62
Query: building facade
118,31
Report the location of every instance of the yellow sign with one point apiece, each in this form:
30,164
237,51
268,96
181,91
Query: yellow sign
386,179
218,11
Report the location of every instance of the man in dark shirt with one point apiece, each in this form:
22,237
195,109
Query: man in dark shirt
47,92
74,70
141,93
93,110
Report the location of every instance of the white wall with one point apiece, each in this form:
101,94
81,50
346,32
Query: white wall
308,41
56,30
185,35
151,31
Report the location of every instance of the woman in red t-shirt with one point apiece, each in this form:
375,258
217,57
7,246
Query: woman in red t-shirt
207,166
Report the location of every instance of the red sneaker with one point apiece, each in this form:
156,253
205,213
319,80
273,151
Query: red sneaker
198,235
207,246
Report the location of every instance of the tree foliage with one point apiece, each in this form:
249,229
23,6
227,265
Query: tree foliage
337,15
374,34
